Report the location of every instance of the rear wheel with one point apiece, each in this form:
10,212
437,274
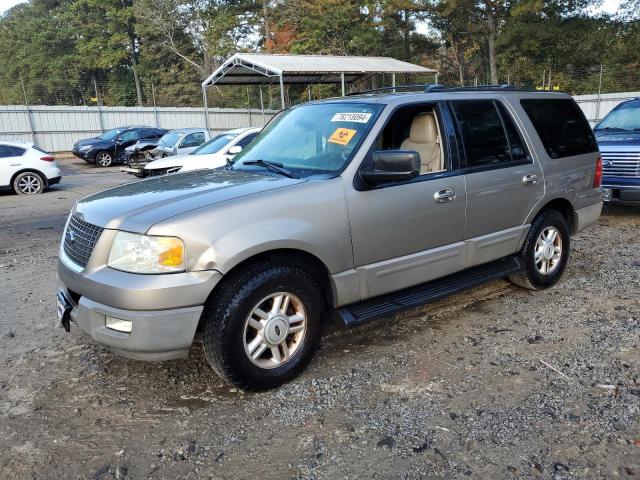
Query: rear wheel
263,325
104,159
28,183
545,252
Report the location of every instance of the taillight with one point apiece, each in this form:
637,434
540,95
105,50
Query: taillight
48,158
597,177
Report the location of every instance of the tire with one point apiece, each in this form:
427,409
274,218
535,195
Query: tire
104,159
29,183
546,271
230,337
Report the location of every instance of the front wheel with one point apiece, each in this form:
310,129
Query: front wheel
263,325
104,159
545,252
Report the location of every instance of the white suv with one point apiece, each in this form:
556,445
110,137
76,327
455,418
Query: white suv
26,168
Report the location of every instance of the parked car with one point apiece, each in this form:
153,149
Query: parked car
212,154
354,207
26,168
176,142
109,148
618,136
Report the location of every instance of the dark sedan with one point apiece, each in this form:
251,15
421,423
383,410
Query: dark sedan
109,148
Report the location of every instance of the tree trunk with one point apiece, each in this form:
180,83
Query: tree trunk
491,43
134,67
267,27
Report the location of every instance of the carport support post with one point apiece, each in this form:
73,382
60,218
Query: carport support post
261,105
393,81
282,91
342,81
206,109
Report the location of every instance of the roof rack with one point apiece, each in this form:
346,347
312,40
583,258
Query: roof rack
429,88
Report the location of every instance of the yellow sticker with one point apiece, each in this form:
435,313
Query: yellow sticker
342,136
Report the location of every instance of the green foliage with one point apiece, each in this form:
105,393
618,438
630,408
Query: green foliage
138,51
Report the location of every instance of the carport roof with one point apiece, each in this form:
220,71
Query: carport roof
260,68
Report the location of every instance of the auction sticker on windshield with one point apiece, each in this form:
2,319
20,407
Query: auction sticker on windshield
351,117
342,136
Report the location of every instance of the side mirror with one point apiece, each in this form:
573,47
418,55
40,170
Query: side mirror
236,149
392,166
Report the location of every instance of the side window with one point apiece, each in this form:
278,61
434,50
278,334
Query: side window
148,133
483,136
516,144
7,151
417,128
130,136
247,140
561,126
193,140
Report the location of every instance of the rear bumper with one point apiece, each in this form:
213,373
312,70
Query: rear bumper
587,216
54,180
155,335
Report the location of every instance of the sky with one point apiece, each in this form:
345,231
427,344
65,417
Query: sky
609,6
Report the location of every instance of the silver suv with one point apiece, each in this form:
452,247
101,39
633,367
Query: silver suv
355,207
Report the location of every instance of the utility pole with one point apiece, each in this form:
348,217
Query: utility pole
155,108
30,118
95,86
599,95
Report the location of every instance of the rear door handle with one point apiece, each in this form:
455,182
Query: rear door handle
530,179
445,195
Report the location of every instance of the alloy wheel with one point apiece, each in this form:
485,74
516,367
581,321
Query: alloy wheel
30,184
275,330
103,159
548,250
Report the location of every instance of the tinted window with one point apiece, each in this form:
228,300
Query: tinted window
193,140
561,126
246,140
149,133
7,151
129,136
483,136
516,145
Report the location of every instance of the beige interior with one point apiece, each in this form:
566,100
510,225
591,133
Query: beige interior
424,138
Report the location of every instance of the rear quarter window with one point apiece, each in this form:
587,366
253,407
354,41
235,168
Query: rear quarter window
561,126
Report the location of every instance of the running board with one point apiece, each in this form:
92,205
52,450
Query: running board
389,304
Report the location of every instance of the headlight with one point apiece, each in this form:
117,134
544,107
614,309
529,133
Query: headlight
84,148
136,253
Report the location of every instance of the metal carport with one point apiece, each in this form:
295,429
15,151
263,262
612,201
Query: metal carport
260,69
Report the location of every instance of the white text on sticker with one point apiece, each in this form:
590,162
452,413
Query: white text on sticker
351,117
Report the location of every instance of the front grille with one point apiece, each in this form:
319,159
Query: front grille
623,164
79,240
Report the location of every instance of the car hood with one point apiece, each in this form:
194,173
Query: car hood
167,162
90,141
137,206
196,162
618,138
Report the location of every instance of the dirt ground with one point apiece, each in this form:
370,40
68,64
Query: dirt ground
497,382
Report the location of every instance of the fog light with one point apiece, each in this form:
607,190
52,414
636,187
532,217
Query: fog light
118,325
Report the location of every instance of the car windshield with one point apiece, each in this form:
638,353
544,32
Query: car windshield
626,117
170,139
111,134
312,138
214,145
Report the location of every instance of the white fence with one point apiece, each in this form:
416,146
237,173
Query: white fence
56,129
595,107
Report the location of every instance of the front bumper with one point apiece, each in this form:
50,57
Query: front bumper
164,309
156,335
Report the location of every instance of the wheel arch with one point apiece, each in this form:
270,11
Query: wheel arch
290,256
562,205
32,170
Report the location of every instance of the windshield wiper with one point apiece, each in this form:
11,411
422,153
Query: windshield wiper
273,166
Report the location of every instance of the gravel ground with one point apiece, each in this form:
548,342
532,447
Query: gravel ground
497,382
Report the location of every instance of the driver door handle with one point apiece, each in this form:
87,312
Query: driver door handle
445,195
530,179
